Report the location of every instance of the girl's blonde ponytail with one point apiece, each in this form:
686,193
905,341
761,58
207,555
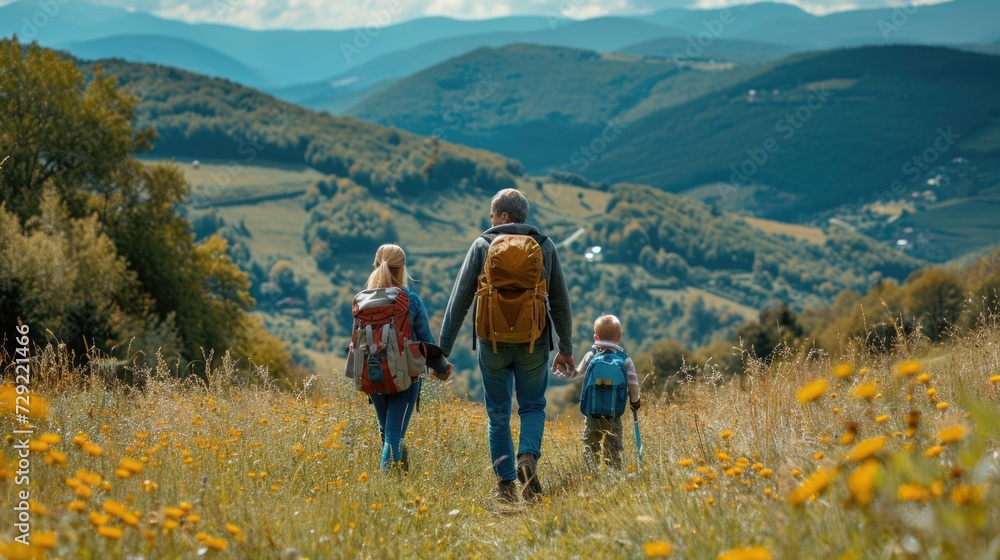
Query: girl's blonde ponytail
390,268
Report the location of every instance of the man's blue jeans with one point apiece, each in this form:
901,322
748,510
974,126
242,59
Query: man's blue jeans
514,370
393,413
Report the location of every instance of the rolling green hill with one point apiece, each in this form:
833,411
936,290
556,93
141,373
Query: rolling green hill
334,94
199,117
544,101
823,118
789,139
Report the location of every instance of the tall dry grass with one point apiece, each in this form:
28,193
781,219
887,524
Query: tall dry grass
232,469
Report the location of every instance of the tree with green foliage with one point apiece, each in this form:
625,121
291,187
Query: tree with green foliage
63,275
935,299
350,222
663,362
284,281
62,133
776,326
93,248
984,303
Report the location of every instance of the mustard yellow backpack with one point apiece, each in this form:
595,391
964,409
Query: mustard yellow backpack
512,295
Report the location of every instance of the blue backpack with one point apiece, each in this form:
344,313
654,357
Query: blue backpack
605,385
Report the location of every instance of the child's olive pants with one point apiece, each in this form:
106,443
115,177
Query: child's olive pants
603,436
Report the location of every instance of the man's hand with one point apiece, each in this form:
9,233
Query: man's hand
563,366
635,405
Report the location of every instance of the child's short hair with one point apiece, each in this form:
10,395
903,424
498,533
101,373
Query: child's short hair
607,327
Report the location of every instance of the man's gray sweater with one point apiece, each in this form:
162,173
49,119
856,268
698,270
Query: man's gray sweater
464,291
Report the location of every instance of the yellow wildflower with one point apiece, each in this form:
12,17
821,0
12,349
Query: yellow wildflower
933,451
908,368
862,481
866,449
88,478
656,549
131,465
54,456
953,434
109,532
748,553
865,391
963,494
39,408
35,507
843,371
912,492
43,540
814,485
114,508
812,391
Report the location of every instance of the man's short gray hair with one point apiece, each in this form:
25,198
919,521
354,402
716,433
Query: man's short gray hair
513,203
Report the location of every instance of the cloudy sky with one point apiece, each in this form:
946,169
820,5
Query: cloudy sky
338,14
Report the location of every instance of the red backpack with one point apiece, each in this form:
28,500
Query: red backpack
383,359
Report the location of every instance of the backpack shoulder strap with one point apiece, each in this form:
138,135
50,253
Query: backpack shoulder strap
539,238
402,313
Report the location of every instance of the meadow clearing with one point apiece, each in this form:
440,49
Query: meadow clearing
870,457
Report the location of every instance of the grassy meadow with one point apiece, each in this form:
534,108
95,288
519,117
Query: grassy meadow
874,457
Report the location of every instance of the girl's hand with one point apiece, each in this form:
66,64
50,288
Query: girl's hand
443,375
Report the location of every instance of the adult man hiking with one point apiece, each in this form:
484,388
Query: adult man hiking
512,276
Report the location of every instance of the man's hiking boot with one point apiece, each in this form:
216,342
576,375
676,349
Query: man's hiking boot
404,458
506,491
527,473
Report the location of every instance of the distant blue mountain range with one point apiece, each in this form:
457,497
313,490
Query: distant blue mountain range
335,69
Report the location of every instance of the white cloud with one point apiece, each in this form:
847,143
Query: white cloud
468,9
341,14
823,7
